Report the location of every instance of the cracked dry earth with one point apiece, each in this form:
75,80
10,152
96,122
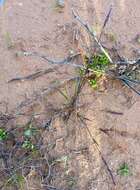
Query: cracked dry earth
42,27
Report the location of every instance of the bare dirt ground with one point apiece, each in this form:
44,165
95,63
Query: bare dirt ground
39,26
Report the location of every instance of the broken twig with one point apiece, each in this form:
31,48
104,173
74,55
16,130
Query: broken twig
65,61
32,76
105,22
92,33
100,153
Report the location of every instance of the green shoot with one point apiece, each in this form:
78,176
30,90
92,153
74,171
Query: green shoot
98,62
3,134
97,65
93,83
124,170
28,145
15,179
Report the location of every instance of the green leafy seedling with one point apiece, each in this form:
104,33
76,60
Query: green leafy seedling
98,62
18,179
93,83
124,170
81,72
97,65
28,145
3,134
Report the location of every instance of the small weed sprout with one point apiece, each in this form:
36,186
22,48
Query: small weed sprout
96,64
16,179
3,134
124,170
28,134
27,144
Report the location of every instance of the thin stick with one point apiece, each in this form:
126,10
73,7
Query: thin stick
52,88
65,61
92,33
129,62
113,112
131,87
32,76
123,77
102,157
105,22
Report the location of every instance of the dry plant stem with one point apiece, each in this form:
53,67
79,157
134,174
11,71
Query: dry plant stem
130,86
33,76
123,77
129,62
112,111
45,91
92,33
72,105
102,157
65,61
49,187
127,81
105,22
97,147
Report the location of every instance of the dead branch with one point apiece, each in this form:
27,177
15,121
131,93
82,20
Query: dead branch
105,22
97,147
65,61
32,76
92,33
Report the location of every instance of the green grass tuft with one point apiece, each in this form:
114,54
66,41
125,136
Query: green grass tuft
3,134
97,65
124,170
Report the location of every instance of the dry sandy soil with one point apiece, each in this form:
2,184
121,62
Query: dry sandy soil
40,26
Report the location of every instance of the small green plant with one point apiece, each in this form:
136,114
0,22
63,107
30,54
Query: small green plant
15,179
97,65
3,134
93,83
28,145
124,170
98,62
81,72
18,180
